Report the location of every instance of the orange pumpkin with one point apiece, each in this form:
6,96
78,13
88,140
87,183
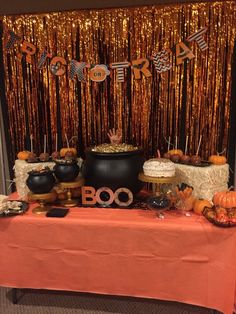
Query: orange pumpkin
199,206
226,199
175,152
217,159
23,155
64,150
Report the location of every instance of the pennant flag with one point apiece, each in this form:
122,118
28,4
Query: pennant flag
57,65
182,53
120,66
161,61
28,49
12,40
77,68
198,37
43,58
141,65
99,73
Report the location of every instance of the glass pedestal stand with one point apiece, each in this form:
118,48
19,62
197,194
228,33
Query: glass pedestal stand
69,202
157,186
43,199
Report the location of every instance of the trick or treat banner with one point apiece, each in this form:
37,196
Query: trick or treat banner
154,72
99,72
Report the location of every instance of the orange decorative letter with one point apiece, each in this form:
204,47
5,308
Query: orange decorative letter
141,65
182,52
88,195
29,49
56,66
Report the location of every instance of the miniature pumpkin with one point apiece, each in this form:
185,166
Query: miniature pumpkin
226,199
175,152
64,150
217,159
199,206
23,155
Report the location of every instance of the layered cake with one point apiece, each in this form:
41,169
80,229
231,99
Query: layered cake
159,167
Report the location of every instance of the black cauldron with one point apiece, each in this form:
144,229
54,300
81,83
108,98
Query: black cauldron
40,182
113,170
66,171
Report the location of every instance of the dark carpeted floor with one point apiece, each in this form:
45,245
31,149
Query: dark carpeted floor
54,302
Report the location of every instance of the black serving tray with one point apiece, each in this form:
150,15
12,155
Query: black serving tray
38,160
11,212
216,222
204,163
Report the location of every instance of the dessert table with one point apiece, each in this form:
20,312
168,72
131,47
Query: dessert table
121,252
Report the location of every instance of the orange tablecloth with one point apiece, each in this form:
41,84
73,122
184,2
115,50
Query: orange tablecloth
121,252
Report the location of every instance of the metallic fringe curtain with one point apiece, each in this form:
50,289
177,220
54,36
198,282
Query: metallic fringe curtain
191,99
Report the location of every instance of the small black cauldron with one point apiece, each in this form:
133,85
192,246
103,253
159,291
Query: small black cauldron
66,171
114,170
40,182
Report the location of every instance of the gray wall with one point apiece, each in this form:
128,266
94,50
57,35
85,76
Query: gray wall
4,171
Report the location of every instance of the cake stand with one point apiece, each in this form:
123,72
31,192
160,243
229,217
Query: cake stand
69,202
156,182
43,199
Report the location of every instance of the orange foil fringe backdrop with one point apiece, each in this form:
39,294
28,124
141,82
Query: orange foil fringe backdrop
148,110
